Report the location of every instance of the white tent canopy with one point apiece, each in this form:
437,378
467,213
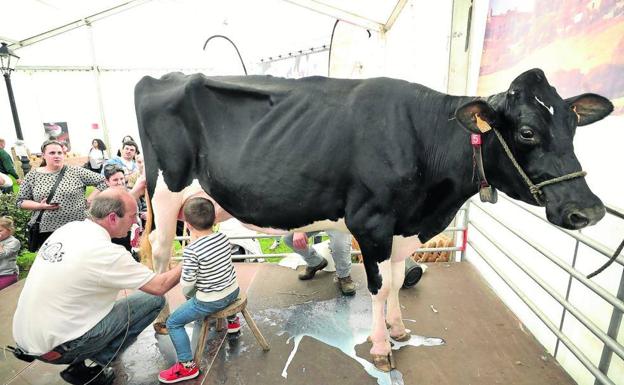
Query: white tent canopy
79,60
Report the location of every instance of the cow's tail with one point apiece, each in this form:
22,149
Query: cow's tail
145,249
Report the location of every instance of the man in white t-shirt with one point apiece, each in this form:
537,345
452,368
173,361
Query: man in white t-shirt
67,311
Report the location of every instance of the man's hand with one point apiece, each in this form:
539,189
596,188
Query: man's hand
300,241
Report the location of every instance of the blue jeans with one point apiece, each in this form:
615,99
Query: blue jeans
339,244
189,311
103,340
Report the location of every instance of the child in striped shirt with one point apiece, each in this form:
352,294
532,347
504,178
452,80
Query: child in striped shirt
208,278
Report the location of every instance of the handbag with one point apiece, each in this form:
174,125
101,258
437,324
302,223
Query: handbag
33,229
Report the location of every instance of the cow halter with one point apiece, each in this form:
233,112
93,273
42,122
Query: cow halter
535,189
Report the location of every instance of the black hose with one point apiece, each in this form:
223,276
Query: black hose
331,43
234,45
601,269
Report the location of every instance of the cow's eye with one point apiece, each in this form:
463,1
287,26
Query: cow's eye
527,134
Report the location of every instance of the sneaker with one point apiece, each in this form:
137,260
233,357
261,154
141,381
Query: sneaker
347,286
234,325
80,374
309,271
275,244
177,373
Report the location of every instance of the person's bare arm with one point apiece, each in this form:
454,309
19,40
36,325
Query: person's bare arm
28,204
163,282
138,190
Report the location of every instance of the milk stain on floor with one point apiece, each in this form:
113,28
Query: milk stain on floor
343,323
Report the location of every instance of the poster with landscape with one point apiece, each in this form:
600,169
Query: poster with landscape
579,45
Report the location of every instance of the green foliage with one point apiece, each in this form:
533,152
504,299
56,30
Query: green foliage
8,206
265,243
24,261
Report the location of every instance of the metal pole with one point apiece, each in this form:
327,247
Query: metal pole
613,332
18,128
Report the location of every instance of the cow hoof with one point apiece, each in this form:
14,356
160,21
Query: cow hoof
383,362
402,338
160,328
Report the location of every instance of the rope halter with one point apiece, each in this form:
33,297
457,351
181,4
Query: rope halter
535,189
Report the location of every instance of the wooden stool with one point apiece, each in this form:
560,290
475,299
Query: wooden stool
238,306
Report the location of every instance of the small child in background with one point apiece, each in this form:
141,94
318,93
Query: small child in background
208,277
9,247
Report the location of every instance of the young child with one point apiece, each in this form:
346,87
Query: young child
207,270
9,247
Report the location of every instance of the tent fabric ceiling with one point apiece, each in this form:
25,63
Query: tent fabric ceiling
28,18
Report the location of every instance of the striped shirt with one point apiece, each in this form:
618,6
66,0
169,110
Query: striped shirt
207,265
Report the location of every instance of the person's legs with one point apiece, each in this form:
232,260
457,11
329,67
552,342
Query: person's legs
190,311
143,311
184,314
7,280
103,341
309,254
340,246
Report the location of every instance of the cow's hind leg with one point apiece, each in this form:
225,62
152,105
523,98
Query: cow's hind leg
166,207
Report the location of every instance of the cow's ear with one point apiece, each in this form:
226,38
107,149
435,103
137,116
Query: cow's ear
476,116
589,108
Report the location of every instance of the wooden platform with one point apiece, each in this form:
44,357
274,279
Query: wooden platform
318,336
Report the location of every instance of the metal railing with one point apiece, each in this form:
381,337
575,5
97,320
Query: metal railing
608,339
461,218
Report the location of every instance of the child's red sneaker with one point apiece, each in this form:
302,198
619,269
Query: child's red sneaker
233,325
178,372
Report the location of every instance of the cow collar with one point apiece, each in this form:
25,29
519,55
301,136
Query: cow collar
487,193
535,189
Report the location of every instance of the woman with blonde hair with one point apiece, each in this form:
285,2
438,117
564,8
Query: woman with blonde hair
9,248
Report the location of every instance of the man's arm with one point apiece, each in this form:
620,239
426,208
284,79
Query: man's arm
7,163
163,282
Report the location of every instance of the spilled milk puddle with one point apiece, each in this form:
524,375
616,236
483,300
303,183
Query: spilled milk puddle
342,323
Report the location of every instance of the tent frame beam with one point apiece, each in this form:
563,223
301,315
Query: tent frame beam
77,24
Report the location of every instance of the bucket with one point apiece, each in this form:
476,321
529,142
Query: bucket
413,273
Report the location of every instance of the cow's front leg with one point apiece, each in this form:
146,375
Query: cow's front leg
374,248
380,350
393,315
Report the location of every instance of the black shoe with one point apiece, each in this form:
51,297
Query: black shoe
80,374
309,272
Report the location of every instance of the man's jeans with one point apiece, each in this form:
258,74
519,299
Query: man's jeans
189,311
339,244
102,342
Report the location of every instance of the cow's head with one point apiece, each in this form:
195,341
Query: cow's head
538,126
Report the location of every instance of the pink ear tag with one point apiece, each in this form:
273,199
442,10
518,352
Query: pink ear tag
475,139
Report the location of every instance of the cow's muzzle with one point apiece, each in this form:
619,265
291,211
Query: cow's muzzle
574,217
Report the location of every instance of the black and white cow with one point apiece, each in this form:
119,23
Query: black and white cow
388,160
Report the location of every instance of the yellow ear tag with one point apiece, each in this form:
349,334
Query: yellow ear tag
482,125
578,117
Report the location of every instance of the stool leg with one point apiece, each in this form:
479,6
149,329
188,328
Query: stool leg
201,341
255,330
221,324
